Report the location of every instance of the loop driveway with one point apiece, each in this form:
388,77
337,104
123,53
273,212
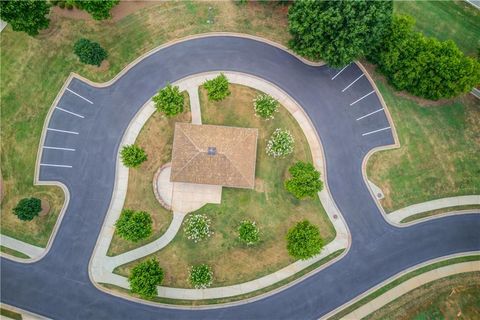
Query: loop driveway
350,123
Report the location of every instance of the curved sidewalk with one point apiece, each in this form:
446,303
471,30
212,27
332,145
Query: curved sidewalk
102,266
411,284
398,215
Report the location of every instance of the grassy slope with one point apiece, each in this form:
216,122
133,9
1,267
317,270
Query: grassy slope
456,296
274,210
156,139
455,20
34,69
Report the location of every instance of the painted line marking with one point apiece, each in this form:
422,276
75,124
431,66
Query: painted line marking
79,96
375,131
369,114
54,165
353,82
340,71
64,131
362,98
58,148
72,113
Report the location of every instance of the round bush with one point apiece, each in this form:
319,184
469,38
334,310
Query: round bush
169,100
197,227
133,156
89,52
134,225
305,181
304,240
28,208
145,277
201,276
217,88
265,106
248,232
280,144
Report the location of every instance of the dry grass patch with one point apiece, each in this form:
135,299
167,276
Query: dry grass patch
270,205
156,139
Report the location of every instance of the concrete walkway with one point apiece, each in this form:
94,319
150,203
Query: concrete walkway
102,266
195,105
20,246
412,284
399,215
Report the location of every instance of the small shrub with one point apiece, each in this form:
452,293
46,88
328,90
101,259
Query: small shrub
197,227
134,225
69,6
305,181
304,240
133,156
89,52
28,208
169,101
145,277
248,232
99,9
201,276
265,106
280,144
217,88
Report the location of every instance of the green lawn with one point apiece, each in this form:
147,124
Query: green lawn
13,252
269,204
453,297
455,20
439,151
34,69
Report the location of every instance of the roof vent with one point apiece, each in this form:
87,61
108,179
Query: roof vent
212,151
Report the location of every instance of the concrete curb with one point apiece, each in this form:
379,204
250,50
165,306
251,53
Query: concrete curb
418,280
98,272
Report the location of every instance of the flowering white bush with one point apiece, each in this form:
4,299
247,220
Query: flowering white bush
201,276
280,143
197,227
265,106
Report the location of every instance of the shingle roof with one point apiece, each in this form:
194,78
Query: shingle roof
218,155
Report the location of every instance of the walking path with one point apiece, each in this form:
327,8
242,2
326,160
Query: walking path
102,266
398,215
20,246
411,284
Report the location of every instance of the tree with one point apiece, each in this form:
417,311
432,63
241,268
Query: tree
265,106
338,31
28,208
305,181
280,144
217,88
424,66
133,156
304,240
169,100
145,277
89,52
248,232
99,9
134,225
25,15
201,276
197,227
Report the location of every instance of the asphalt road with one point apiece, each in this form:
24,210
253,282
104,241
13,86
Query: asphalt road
58,286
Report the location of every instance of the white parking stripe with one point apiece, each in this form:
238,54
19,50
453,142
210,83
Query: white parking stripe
362,98
64,131
369,114
340,71
79,96
374,131
353,82
72,113
58,148
54,165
